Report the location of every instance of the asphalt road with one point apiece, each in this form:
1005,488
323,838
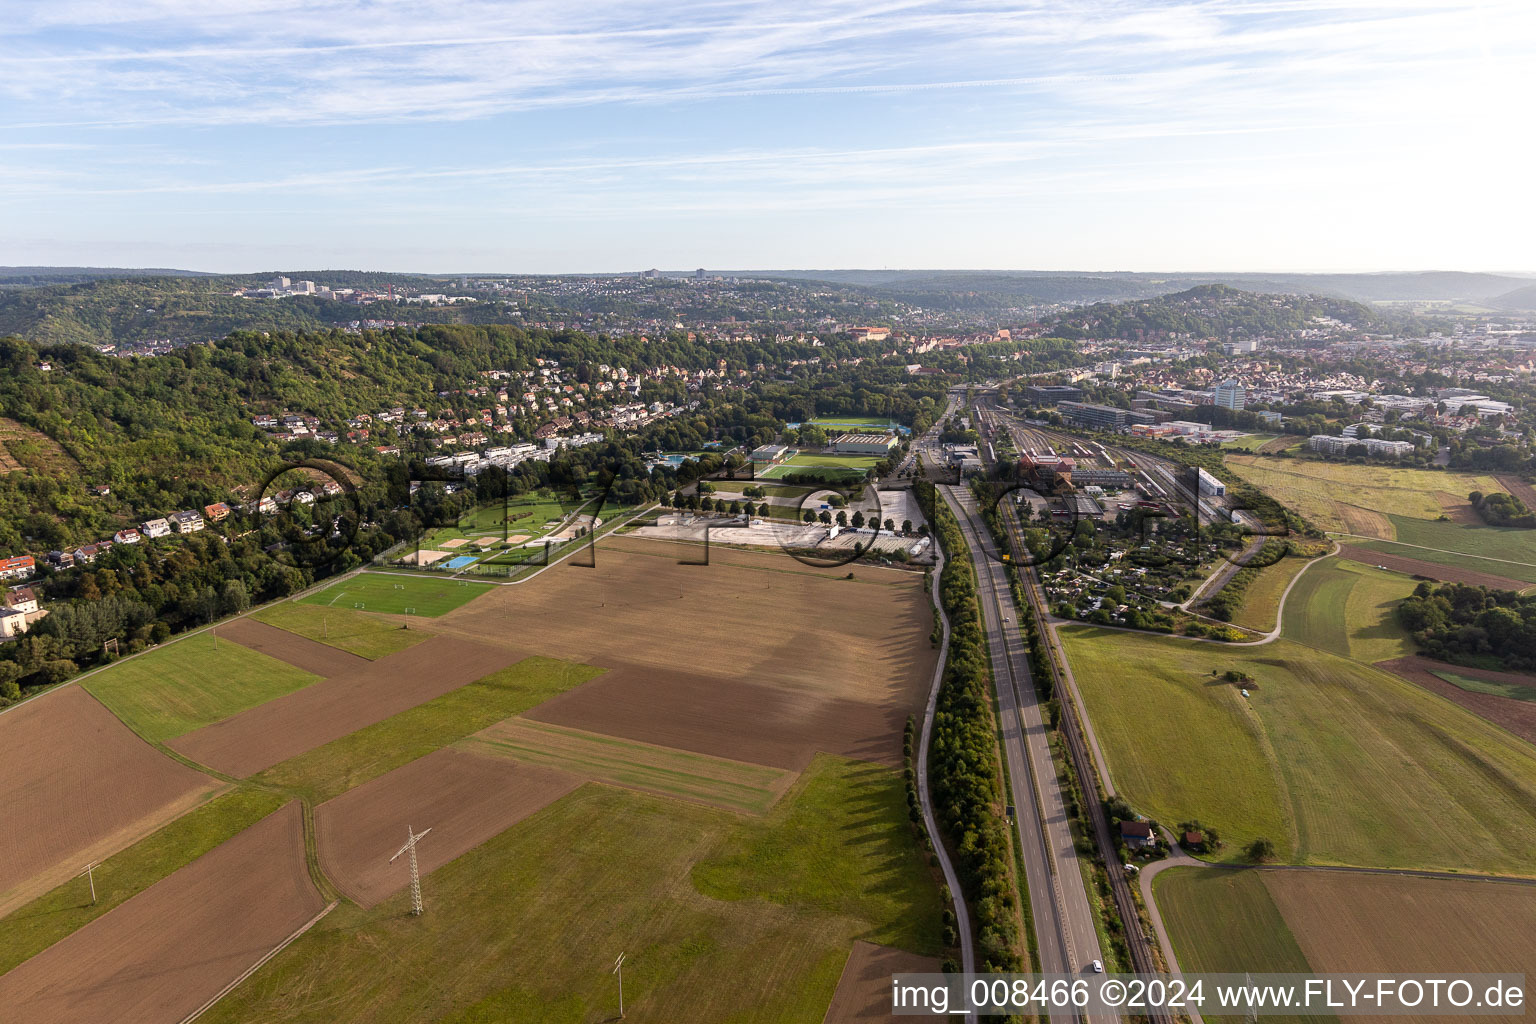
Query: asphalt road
1063,918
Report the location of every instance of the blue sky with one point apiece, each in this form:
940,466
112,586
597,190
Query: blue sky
240,135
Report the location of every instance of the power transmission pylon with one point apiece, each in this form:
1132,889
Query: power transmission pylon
410,847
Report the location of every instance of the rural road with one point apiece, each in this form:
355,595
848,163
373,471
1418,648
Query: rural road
1065,935
925,797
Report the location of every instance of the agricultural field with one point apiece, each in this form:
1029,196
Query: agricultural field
679,886
194,682
244,744
1507,699
736,785
1334,761
79,786
1346,498
397,594
742,816
355,632
1350,609
1347,922
166,951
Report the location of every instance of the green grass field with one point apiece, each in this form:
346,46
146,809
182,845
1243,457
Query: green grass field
355,632
1261,601
1350,610
194,682
1225,922
848,467
1334,761
32,928
393,594
868,424
1321,491
675,886
342,764
1251,443
1514,691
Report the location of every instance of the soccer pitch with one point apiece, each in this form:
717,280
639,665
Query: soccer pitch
397,595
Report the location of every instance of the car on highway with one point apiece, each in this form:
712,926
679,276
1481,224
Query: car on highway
1098,966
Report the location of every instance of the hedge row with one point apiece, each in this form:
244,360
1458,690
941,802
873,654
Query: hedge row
963,762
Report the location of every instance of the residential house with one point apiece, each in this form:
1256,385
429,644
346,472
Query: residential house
18,567
21,599
61,559
155,528
86,555
186,522
12,623
128,536
1136,835
216,513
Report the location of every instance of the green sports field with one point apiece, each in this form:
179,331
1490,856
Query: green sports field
191,683
1334,761
393,594
692,895
848,467
1350,610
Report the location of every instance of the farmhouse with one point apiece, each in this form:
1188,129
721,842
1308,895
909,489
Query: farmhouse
17,568
128,536
769,454
217,512
186,522
1136,835
153,528
864,444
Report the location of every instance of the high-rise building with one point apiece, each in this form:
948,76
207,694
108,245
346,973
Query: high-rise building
1230,394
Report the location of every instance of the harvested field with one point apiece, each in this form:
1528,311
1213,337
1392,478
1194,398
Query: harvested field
780,726
78,786
736,785
1458,508
1365,522
1518,716
320,659
290,725
1416,567
754,657
1359,922
1519,488
463,798
168,950
864,991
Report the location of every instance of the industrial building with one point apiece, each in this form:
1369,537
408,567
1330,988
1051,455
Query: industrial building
1209,486
1102,478
1050,394
864,444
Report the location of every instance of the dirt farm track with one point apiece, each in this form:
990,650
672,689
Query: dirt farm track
78,785
168,950
464,798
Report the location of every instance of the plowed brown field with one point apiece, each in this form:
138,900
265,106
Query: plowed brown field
754,657
279,729
864,991
1518,716
78,785
165,952
1433,570
309,655
463,798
